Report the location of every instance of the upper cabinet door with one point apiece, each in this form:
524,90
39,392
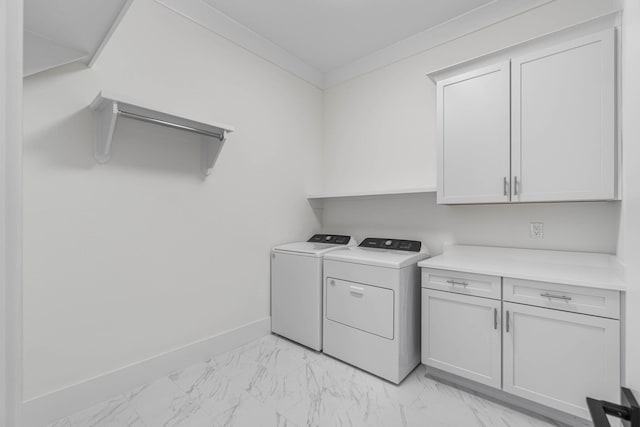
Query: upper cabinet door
473,136
563,122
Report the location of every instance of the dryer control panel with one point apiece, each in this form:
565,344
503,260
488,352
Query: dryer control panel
395,244
334,239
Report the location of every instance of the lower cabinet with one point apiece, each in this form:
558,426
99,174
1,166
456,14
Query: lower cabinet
461,334
558,358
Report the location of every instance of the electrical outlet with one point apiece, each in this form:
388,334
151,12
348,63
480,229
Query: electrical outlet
536,230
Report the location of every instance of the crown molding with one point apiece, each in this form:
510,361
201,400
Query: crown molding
610,20
212,19
462,25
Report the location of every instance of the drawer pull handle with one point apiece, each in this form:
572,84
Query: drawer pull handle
507,321
356,290
455,282
551,296
495,318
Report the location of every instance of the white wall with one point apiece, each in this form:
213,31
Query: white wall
630,222
380,134
134,258
130,259
10,213
380,128
588,227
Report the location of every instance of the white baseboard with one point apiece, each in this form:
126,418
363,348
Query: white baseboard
519,403
45,409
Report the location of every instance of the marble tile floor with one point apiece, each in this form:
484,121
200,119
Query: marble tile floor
273,382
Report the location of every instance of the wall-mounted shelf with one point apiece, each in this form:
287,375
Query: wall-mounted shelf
317,199
372,193
108,108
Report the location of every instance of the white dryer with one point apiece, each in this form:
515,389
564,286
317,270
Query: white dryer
296,287
372,306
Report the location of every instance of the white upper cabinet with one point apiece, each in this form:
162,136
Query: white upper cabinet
563,122
537,128
473,141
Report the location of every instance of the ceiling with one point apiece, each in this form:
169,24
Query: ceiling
324,42
62,31
327,42
328,34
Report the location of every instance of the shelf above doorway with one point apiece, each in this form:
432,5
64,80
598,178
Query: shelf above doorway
108,108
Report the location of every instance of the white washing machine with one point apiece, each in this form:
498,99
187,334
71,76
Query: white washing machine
296,287
372,306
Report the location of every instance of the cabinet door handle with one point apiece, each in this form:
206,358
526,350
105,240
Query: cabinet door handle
515,185
507,321
504,186
550,296
495,318
455,282
356,290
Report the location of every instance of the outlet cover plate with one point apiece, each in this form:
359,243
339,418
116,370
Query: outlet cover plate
536,230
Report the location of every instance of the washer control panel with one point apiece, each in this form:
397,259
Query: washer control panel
395,244
334,239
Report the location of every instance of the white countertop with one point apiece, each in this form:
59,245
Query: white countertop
591,270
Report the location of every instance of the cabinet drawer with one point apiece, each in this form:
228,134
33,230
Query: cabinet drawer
462,283
597,302
364,307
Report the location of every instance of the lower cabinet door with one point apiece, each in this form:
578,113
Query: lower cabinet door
558,358
462,335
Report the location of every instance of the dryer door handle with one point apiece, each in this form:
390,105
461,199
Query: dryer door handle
356,290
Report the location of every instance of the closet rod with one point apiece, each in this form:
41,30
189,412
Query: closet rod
170,125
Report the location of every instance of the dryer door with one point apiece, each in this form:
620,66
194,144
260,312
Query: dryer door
364,307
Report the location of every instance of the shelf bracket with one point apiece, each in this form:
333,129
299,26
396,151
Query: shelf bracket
107,109
106,117
210,149
316,204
